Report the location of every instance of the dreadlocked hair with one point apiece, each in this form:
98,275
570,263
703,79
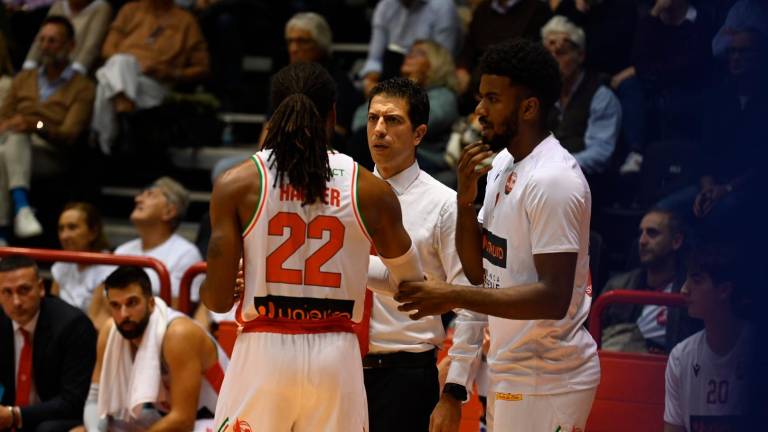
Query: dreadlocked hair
304,94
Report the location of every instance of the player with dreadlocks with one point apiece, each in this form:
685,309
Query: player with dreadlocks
303,219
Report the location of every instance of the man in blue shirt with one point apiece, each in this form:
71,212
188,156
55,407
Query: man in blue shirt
398,23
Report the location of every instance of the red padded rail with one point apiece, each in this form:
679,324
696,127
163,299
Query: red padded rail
51,255
627,296
185,286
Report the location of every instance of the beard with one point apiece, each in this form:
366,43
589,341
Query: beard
500,140
132,329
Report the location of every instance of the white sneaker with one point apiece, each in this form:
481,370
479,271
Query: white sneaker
632,164
25,224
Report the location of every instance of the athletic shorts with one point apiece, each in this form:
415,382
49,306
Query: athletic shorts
513,412
293,383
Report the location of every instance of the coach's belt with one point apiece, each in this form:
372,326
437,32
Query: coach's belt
400,359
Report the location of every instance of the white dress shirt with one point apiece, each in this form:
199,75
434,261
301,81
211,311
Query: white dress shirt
429,217
18,343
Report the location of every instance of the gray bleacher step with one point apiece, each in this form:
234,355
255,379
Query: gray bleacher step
129,192
205,158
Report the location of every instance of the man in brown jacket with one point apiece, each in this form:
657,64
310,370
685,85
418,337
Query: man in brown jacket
46,111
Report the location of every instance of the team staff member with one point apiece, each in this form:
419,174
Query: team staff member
530,251
303,218
400,373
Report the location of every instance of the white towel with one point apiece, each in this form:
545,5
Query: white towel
126,383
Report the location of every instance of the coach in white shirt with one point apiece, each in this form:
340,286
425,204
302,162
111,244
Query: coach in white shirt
400,373
530,251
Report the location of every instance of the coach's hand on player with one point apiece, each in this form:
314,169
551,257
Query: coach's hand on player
429,297
473,164
446,417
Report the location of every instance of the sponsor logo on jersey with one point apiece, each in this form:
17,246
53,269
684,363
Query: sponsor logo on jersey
509,397
302,308
494,249
565,429
224,425
511,180
241,426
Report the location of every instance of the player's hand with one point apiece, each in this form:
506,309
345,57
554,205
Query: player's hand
473,164
78,429
707,199
446,416
239,282
429,297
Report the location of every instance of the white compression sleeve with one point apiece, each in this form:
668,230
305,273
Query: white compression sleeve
404,268
91,411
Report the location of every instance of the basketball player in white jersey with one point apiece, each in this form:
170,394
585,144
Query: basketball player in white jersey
707,374
304,219
529,250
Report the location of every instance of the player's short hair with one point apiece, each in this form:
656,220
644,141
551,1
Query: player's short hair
724,262
414,95
16,262
527,64
125,276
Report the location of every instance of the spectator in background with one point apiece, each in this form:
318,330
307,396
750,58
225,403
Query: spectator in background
707,375
743,15
494,21
80,230
90,19
610,29
431,67
397,24
587,118
48,351
6,70
44,114
671,60
732,172
650,328
159,211
151,46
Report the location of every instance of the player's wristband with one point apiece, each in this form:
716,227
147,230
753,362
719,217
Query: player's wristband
456,391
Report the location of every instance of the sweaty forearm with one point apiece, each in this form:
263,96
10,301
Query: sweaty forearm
469,243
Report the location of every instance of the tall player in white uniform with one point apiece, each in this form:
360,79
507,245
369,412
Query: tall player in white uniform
303,219
707,374
529,249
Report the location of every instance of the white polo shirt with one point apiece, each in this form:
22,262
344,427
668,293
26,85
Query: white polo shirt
538,205
429,217
705,391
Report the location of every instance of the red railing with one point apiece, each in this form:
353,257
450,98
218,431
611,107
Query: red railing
627,296
185,286
51,255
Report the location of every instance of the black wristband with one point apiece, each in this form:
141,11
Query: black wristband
456,391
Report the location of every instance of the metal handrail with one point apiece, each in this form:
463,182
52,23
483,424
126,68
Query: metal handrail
51,255
185,286
627,296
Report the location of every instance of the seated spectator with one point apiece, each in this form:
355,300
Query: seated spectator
494,21
156,369
744,15
732,173
650,328
610,29
397,24
587,118
90,19
80,230
671,61
158,213
707,375
430,66
48,351
43,116
151,46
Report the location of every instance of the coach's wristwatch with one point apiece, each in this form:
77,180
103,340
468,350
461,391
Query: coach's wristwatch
456,391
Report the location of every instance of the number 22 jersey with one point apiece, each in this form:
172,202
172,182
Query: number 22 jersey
305,267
